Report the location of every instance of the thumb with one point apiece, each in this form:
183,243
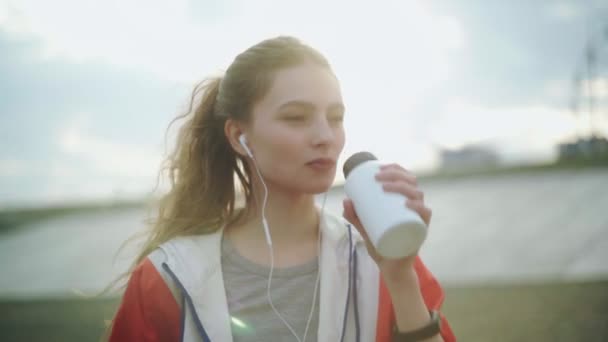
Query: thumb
349,211
350,215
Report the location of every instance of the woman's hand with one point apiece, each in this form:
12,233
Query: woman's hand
394,178
400,277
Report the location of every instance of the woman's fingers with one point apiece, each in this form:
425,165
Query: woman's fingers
351,216
395,178
422,210
393,166
406,189
395,175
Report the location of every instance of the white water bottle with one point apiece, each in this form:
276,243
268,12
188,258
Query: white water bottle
394,229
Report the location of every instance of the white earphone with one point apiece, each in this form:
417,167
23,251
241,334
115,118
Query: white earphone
243,141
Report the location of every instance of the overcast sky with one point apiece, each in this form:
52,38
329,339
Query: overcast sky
87,88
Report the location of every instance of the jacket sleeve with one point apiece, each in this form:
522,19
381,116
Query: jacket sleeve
148,311
433,296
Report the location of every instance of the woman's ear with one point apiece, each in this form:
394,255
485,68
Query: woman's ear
233,131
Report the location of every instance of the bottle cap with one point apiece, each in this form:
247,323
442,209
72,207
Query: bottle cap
356,159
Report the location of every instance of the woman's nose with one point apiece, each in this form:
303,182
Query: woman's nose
322,132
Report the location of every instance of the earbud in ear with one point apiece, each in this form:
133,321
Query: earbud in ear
243,141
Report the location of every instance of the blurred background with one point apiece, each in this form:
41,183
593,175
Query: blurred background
501,109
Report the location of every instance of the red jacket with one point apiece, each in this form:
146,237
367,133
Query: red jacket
149,310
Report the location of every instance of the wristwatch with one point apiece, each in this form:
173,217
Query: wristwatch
430,330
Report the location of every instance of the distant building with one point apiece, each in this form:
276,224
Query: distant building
589,148
468,157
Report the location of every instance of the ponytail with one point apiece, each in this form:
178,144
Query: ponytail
202,167
201,171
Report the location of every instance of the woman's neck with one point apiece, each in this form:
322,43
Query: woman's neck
293,221
290,217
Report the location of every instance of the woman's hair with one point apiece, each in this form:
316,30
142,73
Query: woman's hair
203,166
203,169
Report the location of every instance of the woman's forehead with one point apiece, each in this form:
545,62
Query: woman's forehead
303,84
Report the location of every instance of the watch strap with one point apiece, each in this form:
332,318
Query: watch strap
431,329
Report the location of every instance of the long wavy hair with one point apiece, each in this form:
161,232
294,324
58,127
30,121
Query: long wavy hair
203,170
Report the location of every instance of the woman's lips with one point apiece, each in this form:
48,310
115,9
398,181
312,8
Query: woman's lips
322,164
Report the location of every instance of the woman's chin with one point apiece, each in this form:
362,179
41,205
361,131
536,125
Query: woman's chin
311,186
319,188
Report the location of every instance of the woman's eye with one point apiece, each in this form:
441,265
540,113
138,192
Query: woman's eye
337,118
295,117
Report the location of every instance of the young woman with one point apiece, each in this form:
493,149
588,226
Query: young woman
276,268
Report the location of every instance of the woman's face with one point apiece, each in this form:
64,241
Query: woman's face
296,132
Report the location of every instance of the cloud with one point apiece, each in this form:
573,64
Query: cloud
45,149
565,10
513,50
525,132
128,33
107,157
89,86
182,41
11,167
82,167
596,88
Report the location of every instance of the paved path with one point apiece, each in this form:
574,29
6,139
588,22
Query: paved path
507,228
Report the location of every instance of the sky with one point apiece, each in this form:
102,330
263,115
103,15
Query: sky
87,88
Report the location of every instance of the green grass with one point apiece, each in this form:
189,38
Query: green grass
55,320
540,312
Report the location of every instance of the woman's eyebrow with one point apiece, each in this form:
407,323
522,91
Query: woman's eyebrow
309,105
337,106
299,104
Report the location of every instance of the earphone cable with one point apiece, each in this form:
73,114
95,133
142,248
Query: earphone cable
271,250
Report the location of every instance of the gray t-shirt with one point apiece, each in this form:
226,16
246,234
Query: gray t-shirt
292,288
